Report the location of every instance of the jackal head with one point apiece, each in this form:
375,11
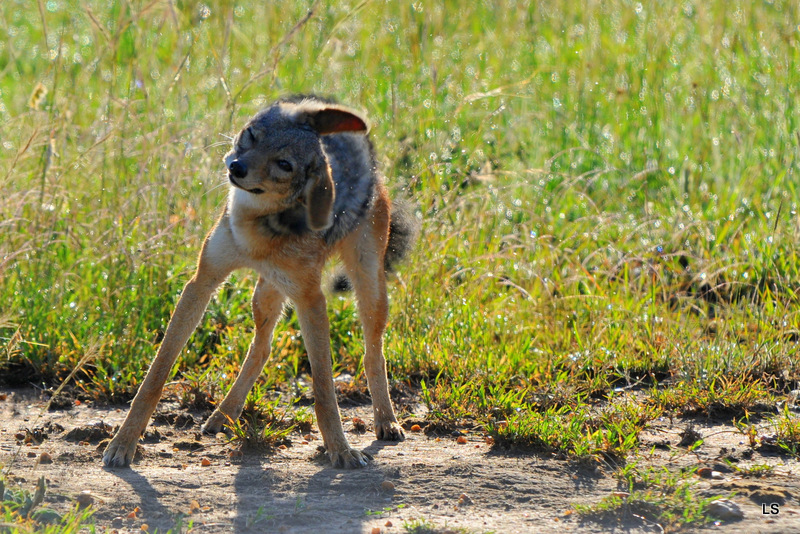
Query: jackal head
278,160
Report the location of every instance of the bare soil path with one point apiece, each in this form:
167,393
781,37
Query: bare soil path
455,486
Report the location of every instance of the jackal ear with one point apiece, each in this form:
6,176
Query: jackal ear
320,194
335,119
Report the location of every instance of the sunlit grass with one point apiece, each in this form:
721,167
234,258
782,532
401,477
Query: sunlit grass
23,511
577,431
654,495
787,431
264,425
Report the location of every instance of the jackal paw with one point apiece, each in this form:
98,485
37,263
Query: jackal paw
215,423
390,431
349,458
120,451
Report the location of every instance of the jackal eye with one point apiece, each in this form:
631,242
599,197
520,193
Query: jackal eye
284,165
246,138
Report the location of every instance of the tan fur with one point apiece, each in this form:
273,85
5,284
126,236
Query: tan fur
290,266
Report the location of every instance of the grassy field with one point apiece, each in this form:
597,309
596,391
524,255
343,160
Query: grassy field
608,195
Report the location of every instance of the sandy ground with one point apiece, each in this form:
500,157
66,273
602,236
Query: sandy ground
456,487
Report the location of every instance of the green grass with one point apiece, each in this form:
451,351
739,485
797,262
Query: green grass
607,190
22,511
787,431
266,424
425,526
655,496
577,430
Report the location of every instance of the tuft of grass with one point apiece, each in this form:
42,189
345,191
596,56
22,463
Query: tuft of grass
719,395
23,511
754,471
425,526
654,495
577,431
787,431
258,436
264,425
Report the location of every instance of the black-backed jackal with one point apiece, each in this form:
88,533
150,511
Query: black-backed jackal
304,186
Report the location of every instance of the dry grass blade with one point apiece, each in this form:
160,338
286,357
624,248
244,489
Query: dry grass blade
276,51
20,153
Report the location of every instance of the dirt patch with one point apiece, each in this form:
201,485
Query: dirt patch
180,420
756,490
185,478
93,433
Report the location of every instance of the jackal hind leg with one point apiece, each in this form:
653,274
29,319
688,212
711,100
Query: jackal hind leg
363,262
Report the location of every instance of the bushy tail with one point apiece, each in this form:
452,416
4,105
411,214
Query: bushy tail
403,233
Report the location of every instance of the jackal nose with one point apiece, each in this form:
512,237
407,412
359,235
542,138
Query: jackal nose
238,169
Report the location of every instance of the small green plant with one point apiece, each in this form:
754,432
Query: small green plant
747,429
715,393
787,431
258,517
299,505
385,510
419,526
655,494
179,527
265,424
578,431
754,471
23,511
254,434
424,526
